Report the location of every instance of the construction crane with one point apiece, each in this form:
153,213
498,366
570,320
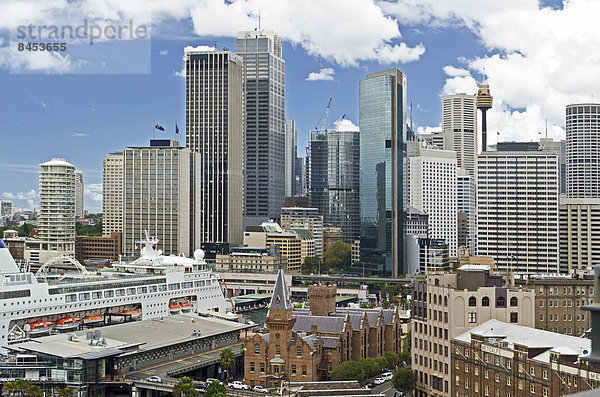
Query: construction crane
336,123
320,130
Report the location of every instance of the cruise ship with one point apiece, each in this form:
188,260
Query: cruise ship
59,299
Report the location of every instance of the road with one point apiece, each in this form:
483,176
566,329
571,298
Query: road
385,388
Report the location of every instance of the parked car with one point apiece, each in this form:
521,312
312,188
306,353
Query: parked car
260,389
379,381
211,380
155,379
387,376
201,385
239,385
398,394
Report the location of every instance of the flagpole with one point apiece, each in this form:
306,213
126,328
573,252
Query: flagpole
153,129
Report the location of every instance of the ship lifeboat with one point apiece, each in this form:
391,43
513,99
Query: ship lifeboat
68,323
39,327
89,320
135,314
174,307
185,307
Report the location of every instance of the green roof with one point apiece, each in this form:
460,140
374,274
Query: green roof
304,234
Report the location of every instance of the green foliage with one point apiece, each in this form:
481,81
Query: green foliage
67,392
392,359
186,387
215,389
350,370
24,230
22,387
311,264
405,355
89,230
404,380
338,256
227,360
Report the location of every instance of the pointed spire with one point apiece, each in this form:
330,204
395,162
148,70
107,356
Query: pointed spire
280,298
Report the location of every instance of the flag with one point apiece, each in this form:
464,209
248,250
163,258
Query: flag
158,127
497,133
176,129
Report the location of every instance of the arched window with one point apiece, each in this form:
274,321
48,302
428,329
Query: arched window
501,301
485,301
472,301
440,299
514,301
256,348
435,299
445,301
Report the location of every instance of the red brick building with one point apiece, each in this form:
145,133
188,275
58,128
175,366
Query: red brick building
305,345
98,247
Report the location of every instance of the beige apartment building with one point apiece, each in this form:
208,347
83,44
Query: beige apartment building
112,194
449,303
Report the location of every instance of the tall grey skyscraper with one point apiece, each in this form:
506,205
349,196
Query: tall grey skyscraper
467,210
518,209
291,137
79,190
335,174
459,121
214,130
300,176
264,77
560,149
583,150
382,149
112,194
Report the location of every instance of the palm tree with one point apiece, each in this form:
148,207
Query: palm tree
68,392
227,360
9,388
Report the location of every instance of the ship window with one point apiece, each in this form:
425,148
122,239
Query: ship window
97,295
84,296
109,294
130,291
120,292
152,288
187,285
71,298
162,288
174,286
199,283
142,290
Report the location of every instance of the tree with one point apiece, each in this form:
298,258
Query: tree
185,387
392,359
350,370
215,389
227,360
338,256
67,392
405,355
311,264
404,380
371,366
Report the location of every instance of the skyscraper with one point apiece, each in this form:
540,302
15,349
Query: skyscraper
459,121
264,77
517,214
56,221
467,210
583,150
291,137
214,130
112,194
432,182
300,176
382,148
157,197
79,189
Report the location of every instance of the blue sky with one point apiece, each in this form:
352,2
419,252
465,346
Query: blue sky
82,117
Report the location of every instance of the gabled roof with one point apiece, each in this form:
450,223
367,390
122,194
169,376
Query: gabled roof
280,298
326,324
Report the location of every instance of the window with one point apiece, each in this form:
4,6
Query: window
256,348
277,349
109,294
532,389
514,317
97,295
457,380
497,377
304,370
298,351
252,367
514,301
472,301
501,301
473,317
120,292
476,387
545,394
485,301
486,374
262,368
532,371
293,370
466,367
486,390
520,385
130,291
71,298
508,381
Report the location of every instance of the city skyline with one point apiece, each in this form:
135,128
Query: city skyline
66,120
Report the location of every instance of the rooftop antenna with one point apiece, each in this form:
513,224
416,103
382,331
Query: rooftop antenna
259,19
484,76
411,124
215,45
546,127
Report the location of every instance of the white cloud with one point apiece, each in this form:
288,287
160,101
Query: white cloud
32,194
323,74
93,193
78,134
200,48
345,125
540,60
162,53
38,101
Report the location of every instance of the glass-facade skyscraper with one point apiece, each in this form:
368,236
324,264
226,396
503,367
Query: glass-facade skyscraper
382,157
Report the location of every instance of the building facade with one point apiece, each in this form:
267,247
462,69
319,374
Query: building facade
459,121
310,219
251,259
264,79
432,190
466,199
579,236
447,304
99,247
56,220
500,359
583,150
517,208
112,193
291,147
157,197
382,149
79,192
215,130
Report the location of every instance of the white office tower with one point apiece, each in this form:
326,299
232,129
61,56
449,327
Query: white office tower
583,150
56,221
467,211
517,207
432,180
439,139
579,234
291,136
459,120
157,199
79,189
112,194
